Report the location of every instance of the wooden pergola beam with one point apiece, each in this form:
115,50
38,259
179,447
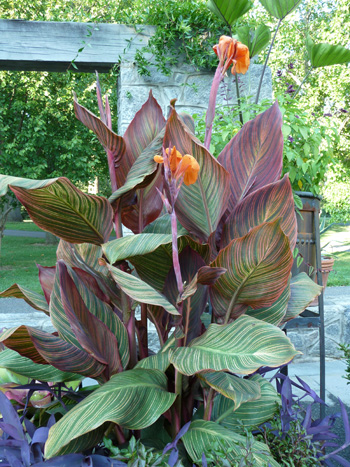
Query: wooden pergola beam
52,46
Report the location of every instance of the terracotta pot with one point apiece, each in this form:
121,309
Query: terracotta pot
327,263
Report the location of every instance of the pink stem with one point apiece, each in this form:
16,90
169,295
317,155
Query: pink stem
209,118
176,261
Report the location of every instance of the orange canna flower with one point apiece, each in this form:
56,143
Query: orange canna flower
232,52
190,167
185,166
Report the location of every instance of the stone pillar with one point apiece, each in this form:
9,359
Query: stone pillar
190,87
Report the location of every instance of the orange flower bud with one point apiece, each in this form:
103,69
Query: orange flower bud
232,52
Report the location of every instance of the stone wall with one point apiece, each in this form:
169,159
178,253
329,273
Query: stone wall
191,88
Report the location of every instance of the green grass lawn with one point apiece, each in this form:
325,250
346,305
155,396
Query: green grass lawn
25,225
18,258
336,241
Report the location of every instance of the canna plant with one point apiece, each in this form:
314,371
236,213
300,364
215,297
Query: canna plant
209,265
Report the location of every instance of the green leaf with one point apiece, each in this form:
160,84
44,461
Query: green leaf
203,434
251,413
160,361
134,399
134,245
229,10
6,180
326,54
13,361
254,156
280,8
65,211
303,291
140,290
240,347
153,262
258,268
33,299
267,204
162,225
199,206
236,389
255,39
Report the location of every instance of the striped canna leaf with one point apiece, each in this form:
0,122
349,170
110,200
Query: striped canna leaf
33,299
159,361
258,268
140,290
254,156
13,361
92,334
142,171
27,183
250,413
267,204
203,434
240,347
65,211
44,348
47,279
199,206
86,257
134,399
109,140
237,390
101,310
303,291
275,313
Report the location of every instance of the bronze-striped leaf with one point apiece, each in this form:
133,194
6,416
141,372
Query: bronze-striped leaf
33,299
112,143
275,313
67,212
27,183
199,206
258,268
96,307
44,348
134,399
92,334
13,361
240,347
254,156
267,204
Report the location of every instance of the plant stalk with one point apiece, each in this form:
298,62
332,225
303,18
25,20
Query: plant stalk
209,117
305,78
209,406
238,99
266,61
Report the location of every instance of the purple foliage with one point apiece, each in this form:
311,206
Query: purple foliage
173,445
318,431
19,450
